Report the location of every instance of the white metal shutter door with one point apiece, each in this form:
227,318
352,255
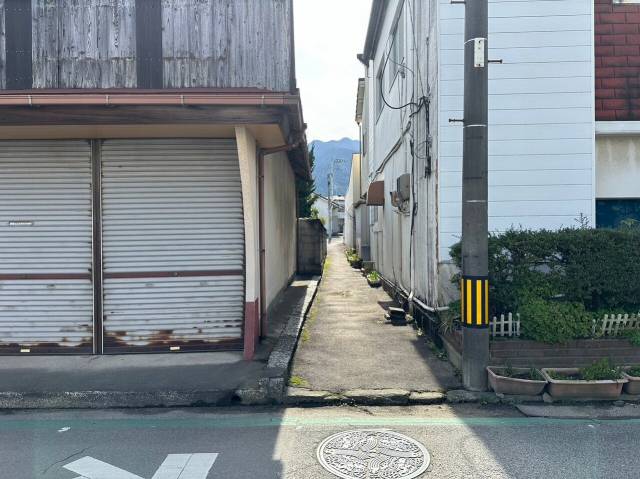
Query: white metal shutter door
173,244
46,295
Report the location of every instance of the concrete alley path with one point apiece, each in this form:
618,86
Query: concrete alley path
347,344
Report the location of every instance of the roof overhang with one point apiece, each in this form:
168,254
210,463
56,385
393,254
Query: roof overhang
376,19
149,107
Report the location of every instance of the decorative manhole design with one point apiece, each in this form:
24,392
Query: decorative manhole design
373,454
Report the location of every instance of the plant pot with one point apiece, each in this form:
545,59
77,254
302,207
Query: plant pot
356,264
506,385
374,283
579,389
633,386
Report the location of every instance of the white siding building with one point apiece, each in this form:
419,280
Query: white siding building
541,129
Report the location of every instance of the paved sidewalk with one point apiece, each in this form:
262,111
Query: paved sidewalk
348,345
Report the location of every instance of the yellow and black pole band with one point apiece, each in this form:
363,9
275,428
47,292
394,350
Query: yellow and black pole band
474,298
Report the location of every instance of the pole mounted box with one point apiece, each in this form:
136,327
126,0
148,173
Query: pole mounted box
403,187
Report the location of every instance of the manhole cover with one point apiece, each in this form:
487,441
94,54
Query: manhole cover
373,454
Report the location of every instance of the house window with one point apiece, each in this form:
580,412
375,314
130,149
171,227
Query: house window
396,55
364,143
614,213
379,87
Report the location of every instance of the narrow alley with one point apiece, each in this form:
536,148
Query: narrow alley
348,345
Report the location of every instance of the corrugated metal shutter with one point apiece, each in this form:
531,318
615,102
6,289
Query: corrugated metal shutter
46,296
173,244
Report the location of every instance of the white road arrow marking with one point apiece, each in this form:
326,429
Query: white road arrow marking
175,466
93,469
186,466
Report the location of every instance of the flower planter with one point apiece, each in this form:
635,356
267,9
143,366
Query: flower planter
633,386
580,389
516,386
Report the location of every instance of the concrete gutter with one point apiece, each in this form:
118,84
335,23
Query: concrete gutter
271,388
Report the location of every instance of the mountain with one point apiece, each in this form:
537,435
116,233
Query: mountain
325,152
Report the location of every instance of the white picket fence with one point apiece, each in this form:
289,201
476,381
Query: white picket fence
508,326
613,324
505,327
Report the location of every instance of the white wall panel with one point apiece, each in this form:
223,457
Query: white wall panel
541,99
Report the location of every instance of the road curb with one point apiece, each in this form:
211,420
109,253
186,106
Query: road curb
364,397
114,399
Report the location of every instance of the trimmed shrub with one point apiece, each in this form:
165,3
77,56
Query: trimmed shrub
554,321
597,268
559,280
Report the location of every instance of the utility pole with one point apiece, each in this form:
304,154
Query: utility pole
330,178
475,224
329,203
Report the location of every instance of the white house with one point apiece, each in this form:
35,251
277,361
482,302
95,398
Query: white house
337,211
544,170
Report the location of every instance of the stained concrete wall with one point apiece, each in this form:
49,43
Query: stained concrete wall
280,224
618,167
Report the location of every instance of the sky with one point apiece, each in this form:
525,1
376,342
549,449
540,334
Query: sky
328,36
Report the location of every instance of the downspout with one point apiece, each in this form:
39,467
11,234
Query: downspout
262,152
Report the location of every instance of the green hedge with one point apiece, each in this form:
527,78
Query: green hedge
572,272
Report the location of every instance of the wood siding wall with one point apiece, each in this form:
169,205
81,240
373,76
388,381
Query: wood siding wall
541,114
198,44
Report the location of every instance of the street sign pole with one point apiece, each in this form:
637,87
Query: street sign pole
475,283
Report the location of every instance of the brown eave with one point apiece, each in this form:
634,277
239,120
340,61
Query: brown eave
234,105
154,97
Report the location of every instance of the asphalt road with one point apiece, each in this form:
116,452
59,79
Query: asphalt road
464,442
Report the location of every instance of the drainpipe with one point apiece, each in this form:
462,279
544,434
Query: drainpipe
262,152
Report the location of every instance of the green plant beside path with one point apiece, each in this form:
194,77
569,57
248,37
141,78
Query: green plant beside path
634,371
532,374
298,382
374,276
602,370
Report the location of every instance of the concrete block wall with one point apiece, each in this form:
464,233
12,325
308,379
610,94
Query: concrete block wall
312,246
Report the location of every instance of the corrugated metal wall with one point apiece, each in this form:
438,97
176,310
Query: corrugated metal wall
45,245
173,243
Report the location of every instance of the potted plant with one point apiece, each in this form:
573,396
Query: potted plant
355,261
516,381
374,279
600,380
632,374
